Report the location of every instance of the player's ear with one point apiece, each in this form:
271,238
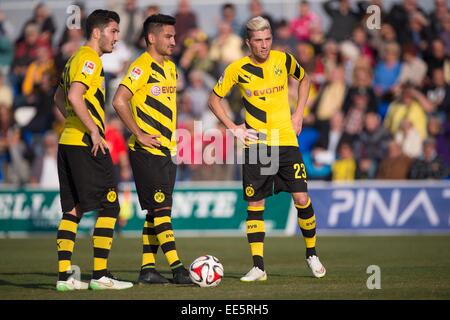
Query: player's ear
96,33
151,38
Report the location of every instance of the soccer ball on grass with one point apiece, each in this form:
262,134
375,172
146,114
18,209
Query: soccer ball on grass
206,271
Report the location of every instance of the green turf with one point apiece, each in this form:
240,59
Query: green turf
411,268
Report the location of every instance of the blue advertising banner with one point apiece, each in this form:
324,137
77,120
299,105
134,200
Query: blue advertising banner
381,207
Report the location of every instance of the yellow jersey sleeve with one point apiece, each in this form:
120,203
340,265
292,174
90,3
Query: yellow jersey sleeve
87,68
293,67
226,81
135,78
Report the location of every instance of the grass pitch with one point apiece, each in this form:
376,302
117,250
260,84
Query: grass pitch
411,268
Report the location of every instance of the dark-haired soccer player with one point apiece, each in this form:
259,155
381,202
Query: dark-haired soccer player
150,88
262,78
85,168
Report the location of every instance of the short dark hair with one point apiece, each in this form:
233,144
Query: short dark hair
100,19
228,6
155,22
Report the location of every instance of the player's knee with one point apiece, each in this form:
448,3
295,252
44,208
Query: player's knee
301,199
259,203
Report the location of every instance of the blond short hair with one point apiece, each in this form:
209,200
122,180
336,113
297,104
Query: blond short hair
257,24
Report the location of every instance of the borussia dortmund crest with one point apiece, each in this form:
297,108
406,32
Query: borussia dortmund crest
277,71
249,191
159,197
111,196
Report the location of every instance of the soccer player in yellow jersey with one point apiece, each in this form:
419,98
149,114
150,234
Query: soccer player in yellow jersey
262,78
85,167
146,103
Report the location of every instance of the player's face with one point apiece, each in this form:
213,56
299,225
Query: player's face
260,44
165,40
108,37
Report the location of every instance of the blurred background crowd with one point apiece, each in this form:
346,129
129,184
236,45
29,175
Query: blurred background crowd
378,108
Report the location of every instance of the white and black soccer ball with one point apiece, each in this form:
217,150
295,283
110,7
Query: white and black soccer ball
206,271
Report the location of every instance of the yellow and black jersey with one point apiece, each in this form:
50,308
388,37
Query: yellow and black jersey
153,102
264,89
86,67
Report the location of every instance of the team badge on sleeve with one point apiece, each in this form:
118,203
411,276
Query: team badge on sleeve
88,67
136,73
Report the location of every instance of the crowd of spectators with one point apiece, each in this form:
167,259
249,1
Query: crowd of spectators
378,107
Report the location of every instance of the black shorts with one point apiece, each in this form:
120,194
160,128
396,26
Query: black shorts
154,177
289,175
85,180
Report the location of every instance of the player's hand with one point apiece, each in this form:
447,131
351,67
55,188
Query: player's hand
149,140
297,125
97,142
245,135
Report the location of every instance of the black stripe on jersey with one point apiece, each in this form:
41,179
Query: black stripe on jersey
297,71
261,136
166,132
158,69
288,62
152,80
102,134
100,98
257,71
87,139
254,111
157,105
140,148
262,98
241,80
102,74
94,113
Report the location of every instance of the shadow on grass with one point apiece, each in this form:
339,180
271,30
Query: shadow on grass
44,286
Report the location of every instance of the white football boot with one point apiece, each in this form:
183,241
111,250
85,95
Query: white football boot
71,284
255,274
109,283
317,268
